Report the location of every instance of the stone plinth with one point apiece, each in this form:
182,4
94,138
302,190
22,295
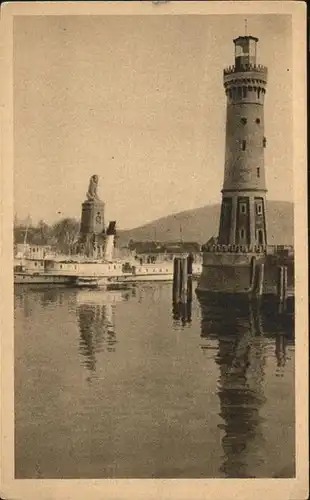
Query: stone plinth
92,221
232,273
92,231
225,273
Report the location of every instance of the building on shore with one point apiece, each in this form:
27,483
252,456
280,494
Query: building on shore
152,251
33,252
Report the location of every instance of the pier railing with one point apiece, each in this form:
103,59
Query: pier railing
276,249
234,249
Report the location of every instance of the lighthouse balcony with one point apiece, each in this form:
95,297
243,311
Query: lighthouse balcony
257,68
250,73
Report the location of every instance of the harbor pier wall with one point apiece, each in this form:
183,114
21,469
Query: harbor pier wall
239,273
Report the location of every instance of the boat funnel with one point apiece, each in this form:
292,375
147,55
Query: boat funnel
109,241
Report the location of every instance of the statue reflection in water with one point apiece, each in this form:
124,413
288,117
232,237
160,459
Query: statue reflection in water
97,332
241,359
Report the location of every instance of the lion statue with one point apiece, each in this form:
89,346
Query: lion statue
92,188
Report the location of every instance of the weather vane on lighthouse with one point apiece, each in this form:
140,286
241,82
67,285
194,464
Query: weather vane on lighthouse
246,27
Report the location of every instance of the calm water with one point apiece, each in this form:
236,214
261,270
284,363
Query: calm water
120,384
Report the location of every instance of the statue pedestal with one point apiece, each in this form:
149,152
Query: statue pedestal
92,231
92,220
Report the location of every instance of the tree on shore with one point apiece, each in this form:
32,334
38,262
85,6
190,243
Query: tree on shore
62,235
66,233
33,235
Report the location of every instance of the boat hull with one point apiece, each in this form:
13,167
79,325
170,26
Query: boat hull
42,279
135,278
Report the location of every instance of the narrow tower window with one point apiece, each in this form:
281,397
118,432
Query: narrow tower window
243,145
243,120
258,172
244,91
257,121
239,92
242,232
259,209
260,237
264,142
243,208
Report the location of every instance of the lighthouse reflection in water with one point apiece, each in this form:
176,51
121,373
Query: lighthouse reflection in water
127,384
241,354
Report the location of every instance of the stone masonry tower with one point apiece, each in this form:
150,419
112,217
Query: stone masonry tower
243,210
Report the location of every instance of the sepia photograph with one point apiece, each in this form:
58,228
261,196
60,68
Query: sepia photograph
154,198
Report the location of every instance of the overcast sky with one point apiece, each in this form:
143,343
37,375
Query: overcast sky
140,102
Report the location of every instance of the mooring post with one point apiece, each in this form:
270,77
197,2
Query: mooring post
184,279
261,280
284,288
176,278
253,270
189,289
190,260
280,287
258,280
182,288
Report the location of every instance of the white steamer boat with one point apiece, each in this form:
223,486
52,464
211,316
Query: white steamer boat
82,272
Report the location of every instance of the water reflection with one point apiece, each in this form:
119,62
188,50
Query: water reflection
209,425
238,336
96,320
28,298
281,354
51,296
96,332
182,312
182,304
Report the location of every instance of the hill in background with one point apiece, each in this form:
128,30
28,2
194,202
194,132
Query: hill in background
201,223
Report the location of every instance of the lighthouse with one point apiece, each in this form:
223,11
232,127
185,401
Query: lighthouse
243,208
238,262
234,261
